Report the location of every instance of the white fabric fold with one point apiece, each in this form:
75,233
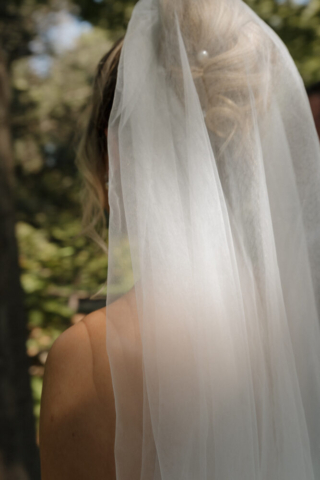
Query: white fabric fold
214,234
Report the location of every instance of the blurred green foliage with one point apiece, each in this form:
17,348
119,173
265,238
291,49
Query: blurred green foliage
298,25
56,262
57,265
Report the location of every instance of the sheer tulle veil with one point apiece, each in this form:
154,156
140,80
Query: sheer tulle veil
214,232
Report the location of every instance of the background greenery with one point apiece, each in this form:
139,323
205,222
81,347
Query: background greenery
51,88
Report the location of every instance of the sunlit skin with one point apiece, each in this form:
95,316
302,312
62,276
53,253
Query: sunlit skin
77,422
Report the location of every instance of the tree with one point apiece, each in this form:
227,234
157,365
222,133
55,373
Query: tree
18,452
20,128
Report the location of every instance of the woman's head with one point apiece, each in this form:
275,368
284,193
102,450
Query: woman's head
92,157
228,81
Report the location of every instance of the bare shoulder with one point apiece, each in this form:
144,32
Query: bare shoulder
78,360
70,360
70,353
77,421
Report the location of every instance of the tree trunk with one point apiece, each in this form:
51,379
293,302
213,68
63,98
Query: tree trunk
18,450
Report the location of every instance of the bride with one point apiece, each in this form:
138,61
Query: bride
205,363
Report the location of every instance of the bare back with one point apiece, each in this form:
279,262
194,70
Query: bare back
77,423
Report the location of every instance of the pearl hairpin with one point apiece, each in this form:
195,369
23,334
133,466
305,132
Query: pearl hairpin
202,56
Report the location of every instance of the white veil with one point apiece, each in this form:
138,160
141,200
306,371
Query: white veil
214,232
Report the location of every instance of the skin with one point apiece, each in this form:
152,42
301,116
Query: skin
77,421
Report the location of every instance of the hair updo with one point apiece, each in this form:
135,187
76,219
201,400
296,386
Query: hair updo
233,77
230,78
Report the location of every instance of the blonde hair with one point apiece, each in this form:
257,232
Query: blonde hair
230,79
92,151
235,72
